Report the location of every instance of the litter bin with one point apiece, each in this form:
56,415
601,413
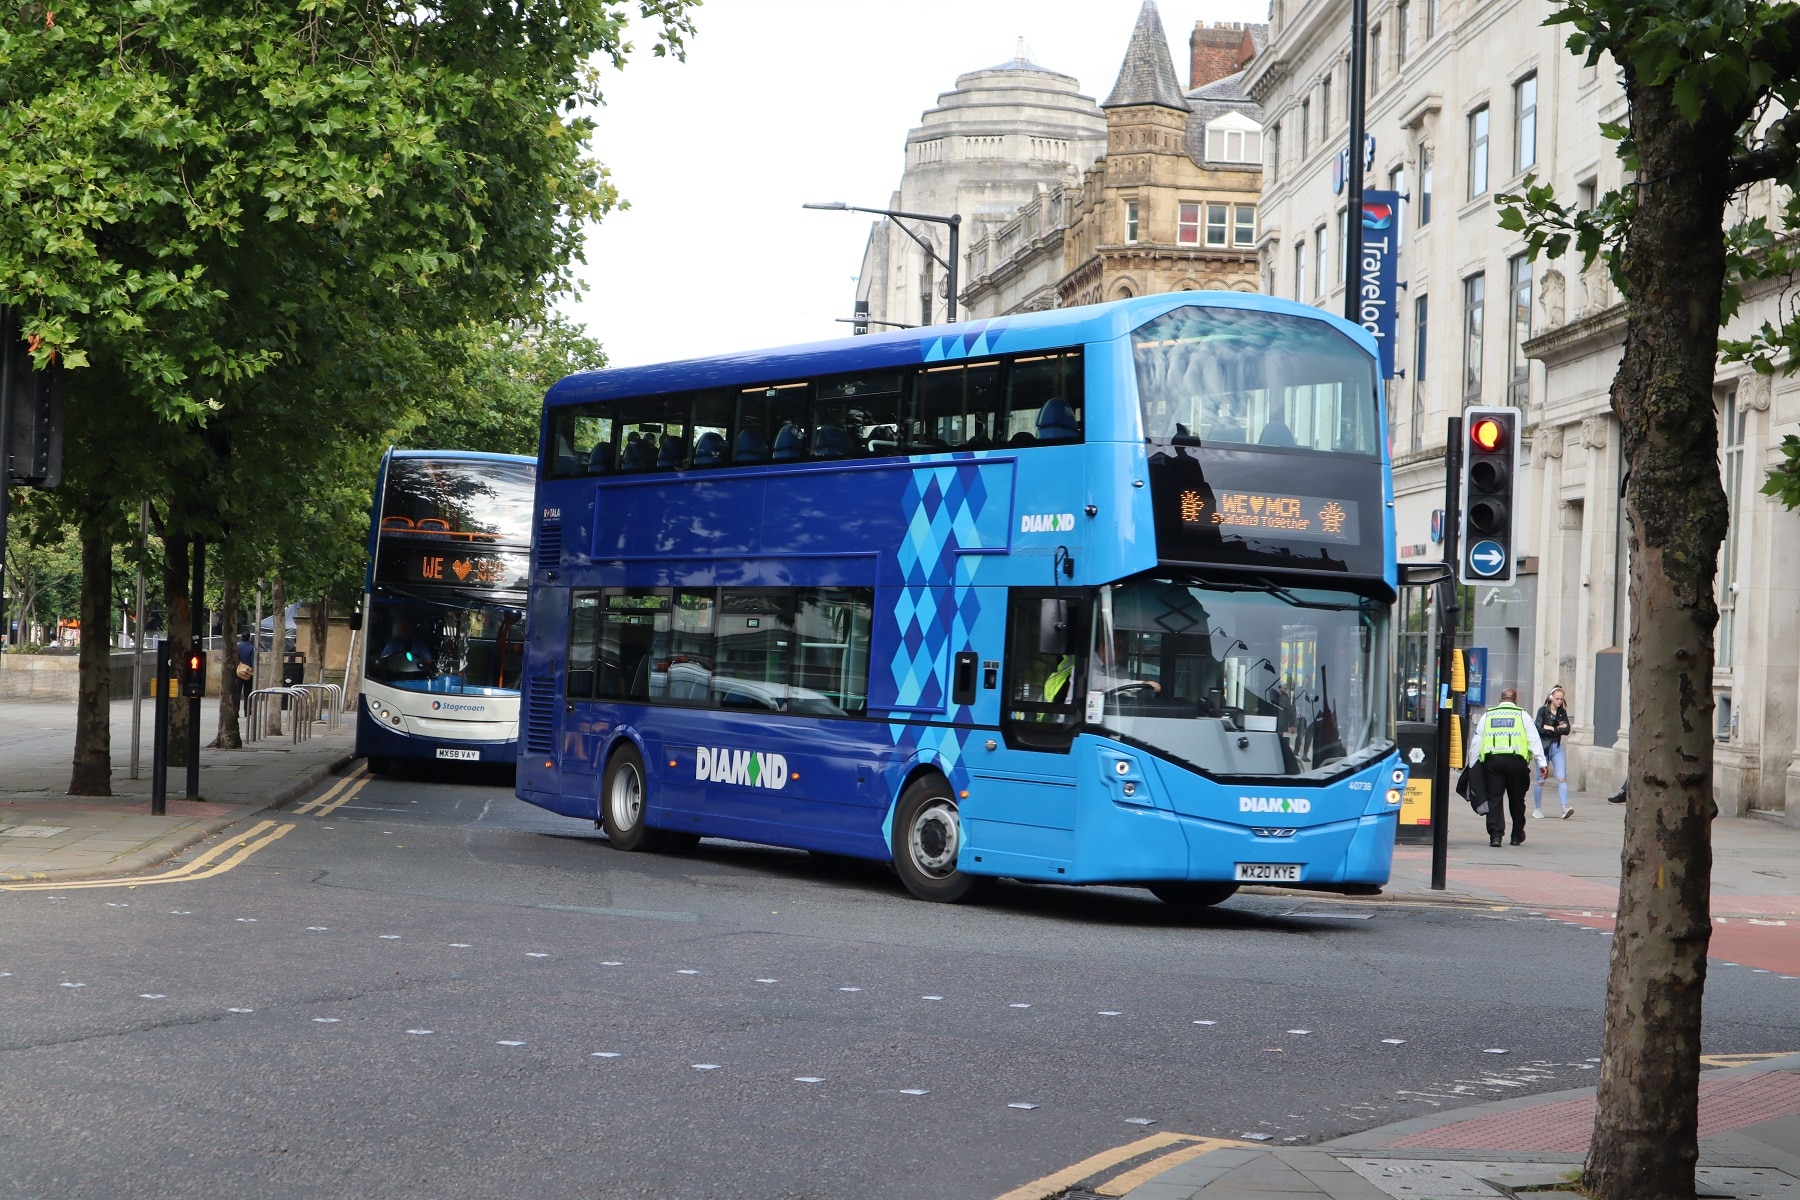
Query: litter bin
1418,750
293,668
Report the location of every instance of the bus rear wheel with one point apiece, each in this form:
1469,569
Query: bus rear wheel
1192,897
927,838
624,796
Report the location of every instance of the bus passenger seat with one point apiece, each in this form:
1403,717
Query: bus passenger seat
790,443
1276,433
750,447
671,453
1056,422
599,459
709,450
1022,438
884,439
832,441
639,455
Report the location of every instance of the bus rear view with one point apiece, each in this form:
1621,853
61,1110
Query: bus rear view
1099,595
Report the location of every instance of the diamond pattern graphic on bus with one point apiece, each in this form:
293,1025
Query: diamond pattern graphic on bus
981,337
947,510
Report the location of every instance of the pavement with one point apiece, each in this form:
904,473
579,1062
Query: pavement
1749,1150
46,835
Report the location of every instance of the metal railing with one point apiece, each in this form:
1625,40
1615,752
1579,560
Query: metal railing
330,701
266,705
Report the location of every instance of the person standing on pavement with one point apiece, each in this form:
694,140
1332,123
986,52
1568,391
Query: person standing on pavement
1504,745
1553,727
246,671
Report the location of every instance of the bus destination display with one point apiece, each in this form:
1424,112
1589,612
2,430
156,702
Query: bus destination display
1271,514
455,570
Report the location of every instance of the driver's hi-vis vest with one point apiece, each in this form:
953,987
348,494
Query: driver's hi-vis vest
1059,680
1504,732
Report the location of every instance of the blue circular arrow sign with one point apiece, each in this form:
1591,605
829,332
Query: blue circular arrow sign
1487,558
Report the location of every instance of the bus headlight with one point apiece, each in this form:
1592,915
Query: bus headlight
1393,795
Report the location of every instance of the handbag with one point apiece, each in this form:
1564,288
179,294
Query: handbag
245,672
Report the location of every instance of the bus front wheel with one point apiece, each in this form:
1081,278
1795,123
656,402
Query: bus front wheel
1192,897
927,837
623,801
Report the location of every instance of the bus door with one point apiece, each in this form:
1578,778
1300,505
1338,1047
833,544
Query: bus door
1025,804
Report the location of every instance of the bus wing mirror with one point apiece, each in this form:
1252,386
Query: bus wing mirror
1425,574
1054,635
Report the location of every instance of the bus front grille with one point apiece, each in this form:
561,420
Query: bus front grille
540,717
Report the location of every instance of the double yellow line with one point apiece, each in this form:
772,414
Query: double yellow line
1179,1148
203,866
338,795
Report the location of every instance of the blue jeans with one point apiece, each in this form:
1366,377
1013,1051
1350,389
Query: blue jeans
1559,767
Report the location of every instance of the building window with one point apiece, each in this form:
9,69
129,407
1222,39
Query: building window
1478,152
1305,128
1431,19
1275,153
1518,385
1218,228
1300,269
1585,193
1402,31
1187,229
1374,59
1525,124
1322,257
1234,139
1243,228
1343,241
1397,185
1474,300
1324,106
1732,467
1425,179
1131,222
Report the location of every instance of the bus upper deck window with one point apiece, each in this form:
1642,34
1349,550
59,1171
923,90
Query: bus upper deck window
712,428
772,425
857,416
956,408
580,442
1044,399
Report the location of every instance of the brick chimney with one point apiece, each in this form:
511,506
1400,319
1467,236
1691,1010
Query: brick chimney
1217,50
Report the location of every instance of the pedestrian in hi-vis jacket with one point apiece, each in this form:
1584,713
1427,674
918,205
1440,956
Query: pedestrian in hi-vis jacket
1504,746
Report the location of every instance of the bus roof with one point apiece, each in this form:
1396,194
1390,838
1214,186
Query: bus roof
909,347
467,455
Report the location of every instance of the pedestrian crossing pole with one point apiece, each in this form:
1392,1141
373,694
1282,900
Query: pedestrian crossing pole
159,733
1449,612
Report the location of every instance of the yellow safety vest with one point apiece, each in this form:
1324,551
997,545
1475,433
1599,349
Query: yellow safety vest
1059,679
1504,732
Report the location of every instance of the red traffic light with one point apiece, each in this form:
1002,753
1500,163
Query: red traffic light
196,661
1488,435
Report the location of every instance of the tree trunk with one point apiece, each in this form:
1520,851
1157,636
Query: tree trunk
230,686
277,649
178,629
1645,1130
320,617
91,772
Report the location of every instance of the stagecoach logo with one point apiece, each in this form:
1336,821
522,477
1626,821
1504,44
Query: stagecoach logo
1047,523
1280,804
451,706
750,768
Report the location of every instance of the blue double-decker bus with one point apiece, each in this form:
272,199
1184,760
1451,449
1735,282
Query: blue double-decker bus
444,608
1098,595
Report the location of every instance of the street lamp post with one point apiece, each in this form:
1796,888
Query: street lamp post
1353,223
954,221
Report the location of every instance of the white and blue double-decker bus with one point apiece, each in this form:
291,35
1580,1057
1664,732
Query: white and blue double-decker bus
1098,595
444,611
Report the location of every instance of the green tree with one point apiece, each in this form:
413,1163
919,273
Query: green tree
1712,87
213,213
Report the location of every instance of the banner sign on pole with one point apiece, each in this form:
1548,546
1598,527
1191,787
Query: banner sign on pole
1376,280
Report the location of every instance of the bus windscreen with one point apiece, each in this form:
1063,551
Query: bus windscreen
467,501
1223,376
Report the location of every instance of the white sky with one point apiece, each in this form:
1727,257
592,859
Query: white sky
786,101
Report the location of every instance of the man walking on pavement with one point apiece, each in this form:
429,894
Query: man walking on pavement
1504,746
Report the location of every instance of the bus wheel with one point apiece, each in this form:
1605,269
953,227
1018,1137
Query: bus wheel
927,836
1192,897
380,766
623,795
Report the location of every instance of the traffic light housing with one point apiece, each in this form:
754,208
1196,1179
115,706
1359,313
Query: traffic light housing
1490,479
193,675
31,436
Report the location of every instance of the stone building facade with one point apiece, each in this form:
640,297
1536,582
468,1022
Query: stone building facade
1004,137
1466,99
1170,207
